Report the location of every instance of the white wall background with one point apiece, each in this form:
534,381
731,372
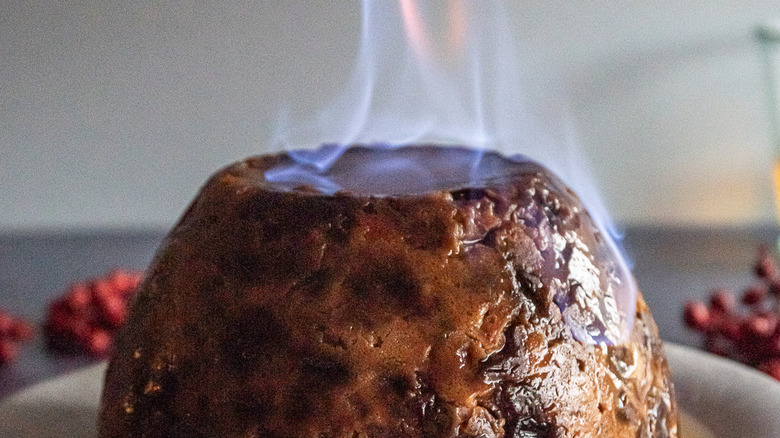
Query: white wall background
113,113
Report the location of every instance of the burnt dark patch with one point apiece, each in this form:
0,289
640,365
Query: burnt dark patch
425,223
340,227
390,283
254,208
302,405
396,384
287,235
324,371
493,238
379,431
252,407
316,284
469,194
267,433
245,265
318,376
282,257
359,406
251,338
369,208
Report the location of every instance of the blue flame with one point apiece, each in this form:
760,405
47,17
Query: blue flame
476,94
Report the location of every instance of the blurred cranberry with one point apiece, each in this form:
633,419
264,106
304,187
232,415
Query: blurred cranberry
8,351
731,328
6,323
774,287
124,280
722,300
771,367
697,315
114,310
86,317
765,267
754,295
22,330
761,325
78,297
13,331
749,333
99,342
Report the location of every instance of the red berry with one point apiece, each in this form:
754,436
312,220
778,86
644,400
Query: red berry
765,266
99,343
123,281
78,328
722,300
771,367
750,333
697,315
78,297
774,287
114,311
754,295
6,324
57,317
12,331
90,312
8,352
761,326
22,331
730,328
102,290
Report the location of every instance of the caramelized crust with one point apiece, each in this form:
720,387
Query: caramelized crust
289,313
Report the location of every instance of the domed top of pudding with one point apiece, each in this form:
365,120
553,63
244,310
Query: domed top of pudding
390,171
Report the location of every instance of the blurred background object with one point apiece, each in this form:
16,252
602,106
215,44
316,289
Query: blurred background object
112,115
768,35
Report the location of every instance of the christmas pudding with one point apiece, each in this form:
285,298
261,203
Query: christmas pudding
415,292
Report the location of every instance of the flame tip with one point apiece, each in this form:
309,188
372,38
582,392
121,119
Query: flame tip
451,81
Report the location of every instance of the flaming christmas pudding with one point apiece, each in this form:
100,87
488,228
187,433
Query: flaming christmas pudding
414,292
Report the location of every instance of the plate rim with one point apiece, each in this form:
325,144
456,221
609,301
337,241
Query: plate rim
746,400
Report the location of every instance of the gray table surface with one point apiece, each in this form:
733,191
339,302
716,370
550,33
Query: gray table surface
671,265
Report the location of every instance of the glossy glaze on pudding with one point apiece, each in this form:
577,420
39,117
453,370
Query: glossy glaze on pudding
327,309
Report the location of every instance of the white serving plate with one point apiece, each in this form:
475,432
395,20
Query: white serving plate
719,398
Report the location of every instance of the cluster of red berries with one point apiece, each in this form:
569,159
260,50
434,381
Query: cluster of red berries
88,315
748,331
13,331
